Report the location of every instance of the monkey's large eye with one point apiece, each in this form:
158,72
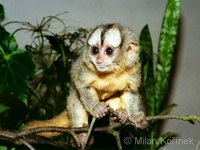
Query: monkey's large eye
95,50
109,51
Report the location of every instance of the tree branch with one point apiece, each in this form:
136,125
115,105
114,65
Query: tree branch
89,132
192,118
28,137
26,144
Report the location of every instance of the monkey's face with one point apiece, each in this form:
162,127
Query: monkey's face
104,47
112,47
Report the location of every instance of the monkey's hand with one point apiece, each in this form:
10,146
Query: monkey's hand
99,110
123,115
138,120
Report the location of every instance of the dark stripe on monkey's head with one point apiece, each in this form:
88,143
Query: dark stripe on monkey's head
105,29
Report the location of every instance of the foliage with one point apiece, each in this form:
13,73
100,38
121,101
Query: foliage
2,13
15,66
11,61
38,76
53,54
44,65
156,74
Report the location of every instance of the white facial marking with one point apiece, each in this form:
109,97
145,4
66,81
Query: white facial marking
95,37
113,37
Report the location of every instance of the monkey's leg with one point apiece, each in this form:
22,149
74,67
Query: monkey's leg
127,107
78,116
118,106
131,101
77,113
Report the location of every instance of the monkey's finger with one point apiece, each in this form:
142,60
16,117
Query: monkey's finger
144,122
100,110
103,108
136,124
139,123
97,113
100,115
133,122
123,117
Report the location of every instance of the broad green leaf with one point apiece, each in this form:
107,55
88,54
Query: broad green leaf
3,148
7,41
15,65
146,58
3,108
14,71
167,42
2,13
6,148
163,140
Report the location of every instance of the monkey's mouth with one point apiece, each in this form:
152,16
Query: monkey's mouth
102,68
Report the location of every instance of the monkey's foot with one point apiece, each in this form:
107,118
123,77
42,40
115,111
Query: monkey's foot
138,120
123,115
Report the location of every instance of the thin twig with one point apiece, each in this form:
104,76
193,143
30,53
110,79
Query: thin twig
73,134
117,137
27,144
191,118
89,132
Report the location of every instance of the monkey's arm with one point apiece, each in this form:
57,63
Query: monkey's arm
82,79
89,99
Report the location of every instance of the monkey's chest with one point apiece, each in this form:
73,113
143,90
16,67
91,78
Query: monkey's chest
109,86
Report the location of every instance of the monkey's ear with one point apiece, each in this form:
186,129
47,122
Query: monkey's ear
134,47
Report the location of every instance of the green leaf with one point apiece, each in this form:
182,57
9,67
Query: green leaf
14,71
3,108
146,59
2,13
167,41
168,109
7,41
163,140
15,66
3,148
58,44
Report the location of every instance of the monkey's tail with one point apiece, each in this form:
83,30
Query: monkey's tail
62,120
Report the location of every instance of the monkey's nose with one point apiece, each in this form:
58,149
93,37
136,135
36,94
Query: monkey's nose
99,61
